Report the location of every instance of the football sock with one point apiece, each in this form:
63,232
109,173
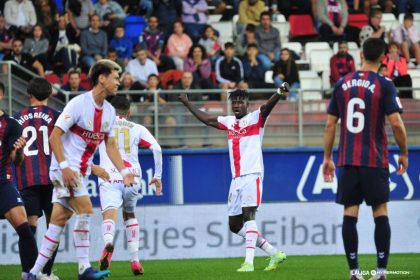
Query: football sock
81,236
48,246
132,232
382,240
108,231
350,240
262,243
28,250
251,236
48,267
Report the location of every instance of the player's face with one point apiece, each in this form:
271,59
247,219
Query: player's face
239,107
111,83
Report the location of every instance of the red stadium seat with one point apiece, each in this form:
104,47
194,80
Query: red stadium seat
358,20
52,78
301,25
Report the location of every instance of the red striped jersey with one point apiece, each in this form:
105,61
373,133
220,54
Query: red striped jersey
85,126
245,137
10,131
362,100
37,124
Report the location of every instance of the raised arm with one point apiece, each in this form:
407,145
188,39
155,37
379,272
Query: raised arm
400,135
281,93
205,118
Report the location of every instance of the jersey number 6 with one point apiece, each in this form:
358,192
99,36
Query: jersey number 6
353,115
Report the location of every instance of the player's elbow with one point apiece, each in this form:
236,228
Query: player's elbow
156,148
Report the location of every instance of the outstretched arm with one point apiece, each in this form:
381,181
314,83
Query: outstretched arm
281,93
205,118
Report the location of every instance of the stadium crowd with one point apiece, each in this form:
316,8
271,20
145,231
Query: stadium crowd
67,37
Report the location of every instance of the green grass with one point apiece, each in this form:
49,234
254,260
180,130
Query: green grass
295,267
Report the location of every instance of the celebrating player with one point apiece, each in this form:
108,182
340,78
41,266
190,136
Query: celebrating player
361,100
85,122
114,194
32,178
11,207
245,132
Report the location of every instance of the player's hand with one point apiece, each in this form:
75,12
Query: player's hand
283,90
158,185
100,172
19,144
402,164
70,177
328,170
183,98
130,179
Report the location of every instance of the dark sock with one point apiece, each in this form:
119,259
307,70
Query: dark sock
382,240
33,229
350,240
48,267
28,250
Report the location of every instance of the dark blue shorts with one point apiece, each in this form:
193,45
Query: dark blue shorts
9,198
356,184
37,200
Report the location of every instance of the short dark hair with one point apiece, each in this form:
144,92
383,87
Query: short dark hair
343,42
229,45
382,66
373,49
203,51
374,12
112,50
409,16
153,75
265,13
121,104
74,71
40,88
239,94
250,28
252,45
102,67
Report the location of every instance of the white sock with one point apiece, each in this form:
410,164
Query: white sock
108,231
81,236
132,231
48,246
262,243
251,236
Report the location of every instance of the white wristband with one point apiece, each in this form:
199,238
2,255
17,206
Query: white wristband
124,172
64,164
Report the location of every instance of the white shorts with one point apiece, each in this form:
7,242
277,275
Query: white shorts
245,191
62,192
115,195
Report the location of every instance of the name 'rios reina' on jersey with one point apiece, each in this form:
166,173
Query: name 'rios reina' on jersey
245,137
362,100
85,126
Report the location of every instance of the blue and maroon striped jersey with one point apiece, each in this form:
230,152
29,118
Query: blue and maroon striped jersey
37,124
10,131
361,100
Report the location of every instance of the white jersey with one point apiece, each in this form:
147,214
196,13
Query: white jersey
85,126
245,140
130,136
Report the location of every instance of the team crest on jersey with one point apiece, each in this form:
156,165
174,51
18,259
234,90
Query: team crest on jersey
243,123
89,124
106,125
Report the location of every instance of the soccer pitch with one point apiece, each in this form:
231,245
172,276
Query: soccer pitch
406,266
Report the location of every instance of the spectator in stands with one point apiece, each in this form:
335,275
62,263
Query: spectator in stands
146,8
46,13
64,48
167,11
73,84
229,70
268,40
249,13
341,63
333,16
123,45
383,70
179,44
374,29
402,6
385,6
113,55
6,38
111,15
194,17
152,40
280,7
397,70
130,7
408,39
243,40
79,12
186,83
285,70
141,67
23,59
127,83
94,42
254,72
211,44
20,17
37,46
198,64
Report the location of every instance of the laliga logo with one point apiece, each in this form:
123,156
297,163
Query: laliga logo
320,185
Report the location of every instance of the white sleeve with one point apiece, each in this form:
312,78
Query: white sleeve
68,117
147,140
222,122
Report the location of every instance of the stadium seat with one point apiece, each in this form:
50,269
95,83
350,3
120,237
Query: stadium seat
415,77
269,76
214,18
319,59
358,20
134,26
284,29
296,47
235,20
309,47
225,29
309,80
301,26
389,21
52,78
